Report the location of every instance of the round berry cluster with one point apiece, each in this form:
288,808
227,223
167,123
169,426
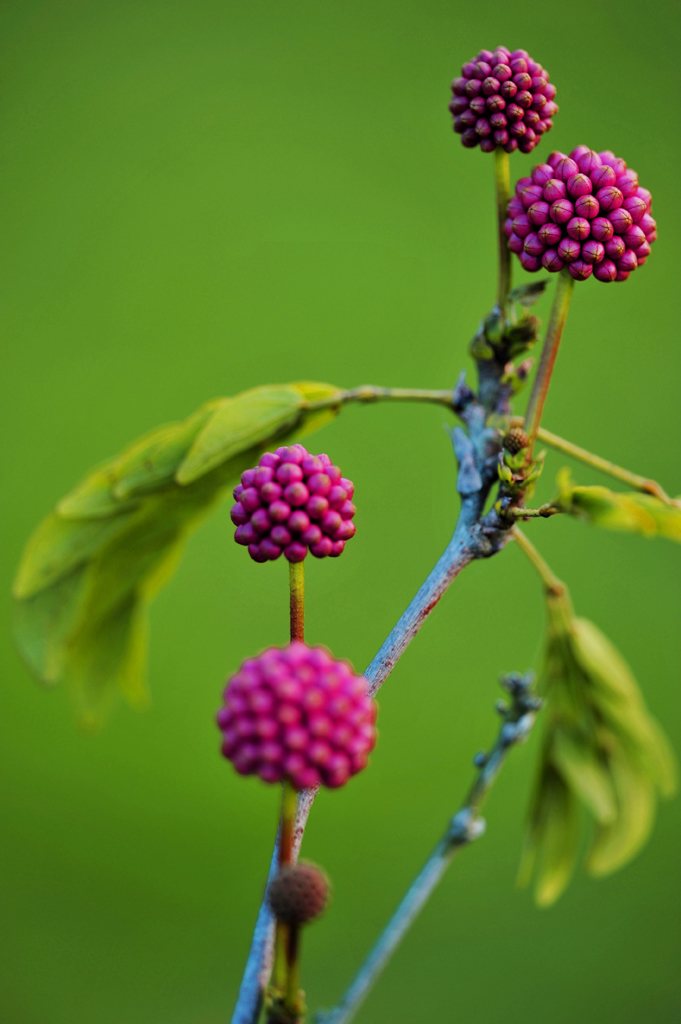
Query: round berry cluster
291,503
586,212
299,893
503,99
297,714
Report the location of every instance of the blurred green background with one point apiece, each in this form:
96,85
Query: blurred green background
198,197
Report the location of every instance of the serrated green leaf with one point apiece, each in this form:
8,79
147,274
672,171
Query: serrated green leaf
585,772
632,512
617,843
90,569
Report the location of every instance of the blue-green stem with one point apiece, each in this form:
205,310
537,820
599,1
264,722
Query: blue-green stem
464,827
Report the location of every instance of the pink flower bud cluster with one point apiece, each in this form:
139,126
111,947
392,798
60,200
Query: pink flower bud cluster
297,714
293,503
586,212
503,99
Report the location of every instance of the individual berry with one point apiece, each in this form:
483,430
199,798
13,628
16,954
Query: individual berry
515,440
599,218
503,99
298,893
279,706
277,501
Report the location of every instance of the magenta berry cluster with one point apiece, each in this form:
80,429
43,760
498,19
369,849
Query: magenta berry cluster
293,503
503,99
586,212
296,714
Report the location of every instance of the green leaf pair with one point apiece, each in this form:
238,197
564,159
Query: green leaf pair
601,751
93,565
633,512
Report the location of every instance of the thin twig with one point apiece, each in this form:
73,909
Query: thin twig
625,476
465,826
543,512
367,393
551,582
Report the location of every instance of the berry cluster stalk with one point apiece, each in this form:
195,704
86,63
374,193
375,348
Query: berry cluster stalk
296,577
554,333
502,177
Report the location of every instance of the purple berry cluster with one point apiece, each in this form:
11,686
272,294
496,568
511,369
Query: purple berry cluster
586,212
297,714
503,99
291,503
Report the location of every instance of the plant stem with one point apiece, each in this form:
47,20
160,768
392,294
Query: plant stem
543,512
464,827
540,388
625,476
367,393
292,993
289,803
296,578
460,552
551,582
502,177
285,973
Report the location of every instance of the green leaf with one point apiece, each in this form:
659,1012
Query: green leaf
60,545
238,424
617,843
585,772
632,512
603,745
153,461
553,849
90,569
110,658
619,701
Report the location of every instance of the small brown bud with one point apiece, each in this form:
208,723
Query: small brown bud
299,893
515,440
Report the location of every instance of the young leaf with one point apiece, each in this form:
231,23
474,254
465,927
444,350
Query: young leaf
90,569
618,842
528,294
558,844
603,745
584,770
632,512
58,546
237,424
